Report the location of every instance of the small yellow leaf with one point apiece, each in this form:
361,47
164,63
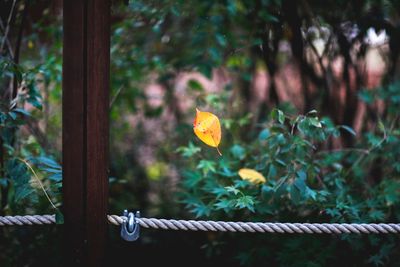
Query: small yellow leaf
30,44
252,176
207,128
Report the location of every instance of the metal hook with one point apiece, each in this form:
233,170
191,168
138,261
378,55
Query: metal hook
130,229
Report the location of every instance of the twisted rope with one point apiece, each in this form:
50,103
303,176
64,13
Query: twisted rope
253,227
27,220
214,226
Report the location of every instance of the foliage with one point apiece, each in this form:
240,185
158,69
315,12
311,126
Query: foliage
20,184
305,181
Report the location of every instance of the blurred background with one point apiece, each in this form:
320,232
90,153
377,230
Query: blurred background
307,93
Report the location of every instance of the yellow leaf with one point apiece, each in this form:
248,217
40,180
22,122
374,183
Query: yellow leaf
30,44
252,176
207,128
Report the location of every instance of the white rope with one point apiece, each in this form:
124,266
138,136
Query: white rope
253,227
27,220
215,226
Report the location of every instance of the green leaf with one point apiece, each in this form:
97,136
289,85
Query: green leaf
13,115
377,215
188,151
277,114
206,166
301,175
191,178
22,111
219,192
206,70
224,166
281,117
366,96
22,192
3,182
221,40
315,122
348,129
295,194
201,210
245,202
280,182
48,162
300,185
281,162
272,171
51,170
232,189
57,177
224,204
334,213
151,112
195,85
238,152
381,126
264,134
309,193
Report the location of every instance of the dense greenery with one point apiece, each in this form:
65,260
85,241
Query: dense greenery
305,183
318,166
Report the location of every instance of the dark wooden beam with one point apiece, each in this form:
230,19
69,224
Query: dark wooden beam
86,61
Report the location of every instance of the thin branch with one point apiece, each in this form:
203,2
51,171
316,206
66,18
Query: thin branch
38,180
115,96
18,46
360,150
9,47
8,25
314,49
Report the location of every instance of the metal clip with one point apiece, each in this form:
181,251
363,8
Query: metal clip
130,229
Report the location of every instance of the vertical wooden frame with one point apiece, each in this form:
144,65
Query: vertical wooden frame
86,68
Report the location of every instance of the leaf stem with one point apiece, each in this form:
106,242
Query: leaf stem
219,152
38,180
116,95
360,150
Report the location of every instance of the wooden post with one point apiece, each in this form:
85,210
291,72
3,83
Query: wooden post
86,61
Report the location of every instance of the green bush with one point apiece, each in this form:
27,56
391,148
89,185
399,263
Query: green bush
307,181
